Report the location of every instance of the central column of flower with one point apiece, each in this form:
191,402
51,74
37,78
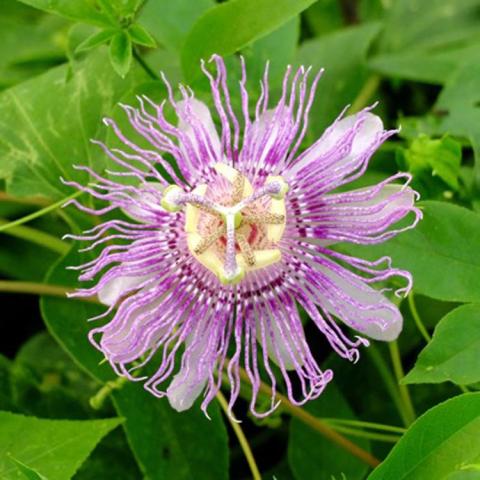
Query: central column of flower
230,219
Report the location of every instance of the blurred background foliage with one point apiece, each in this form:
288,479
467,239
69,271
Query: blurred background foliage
65,64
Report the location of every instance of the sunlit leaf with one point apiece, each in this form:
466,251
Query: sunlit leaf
47,124
140,35
441,252
251,19
121,53
453,353
442,441
54,448
82,11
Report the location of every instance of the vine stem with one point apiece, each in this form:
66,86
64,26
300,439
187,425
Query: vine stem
389,381
403,389
27,218
35,236
317,424
242,439
366,93
416,317
145,65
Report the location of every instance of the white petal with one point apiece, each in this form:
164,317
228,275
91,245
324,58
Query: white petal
365,136
279,342
382,320
189,382
118,286
192,126
371,216
148,202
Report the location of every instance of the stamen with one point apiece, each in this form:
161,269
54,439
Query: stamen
246,250
239,227
238,188
209,240
264,218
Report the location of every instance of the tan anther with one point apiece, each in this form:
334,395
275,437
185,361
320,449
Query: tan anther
209,240
264,218
246,250
238,188
206,209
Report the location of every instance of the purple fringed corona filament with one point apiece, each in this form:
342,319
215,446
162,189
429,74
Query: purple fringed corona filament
219,257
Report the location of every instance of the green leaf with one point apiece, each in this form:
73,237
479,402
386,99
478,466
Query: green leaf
415,24
312,456
453,353
345,73
459,109
95,40
434,67
28,473
48,108
54,448
28,48
278,48
80,11
229,27
121,53
140,35
170,21
165,443
5,384
441,252
426,158
440,442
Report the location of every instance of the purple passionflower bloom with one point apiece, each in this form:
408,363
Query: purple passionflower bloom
219,260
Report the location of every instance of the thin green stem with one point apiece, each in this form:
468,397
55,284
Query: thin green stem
355,432
27,218
388,380
35,236
242,439
38,201
363,424
366,93
416,317
145,65
33,288
316,424
403,389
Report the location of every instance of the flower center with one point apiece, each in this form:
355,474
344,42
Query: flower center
232,229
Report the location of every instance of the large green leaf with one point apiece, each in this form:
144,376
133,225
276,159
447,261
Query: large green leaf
229,27
5,384
312,456
441,252
428,41
170,21
47,124
344,74
78,10
54,448
416,24
458,105
454,352
442,441
166,444
434,67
